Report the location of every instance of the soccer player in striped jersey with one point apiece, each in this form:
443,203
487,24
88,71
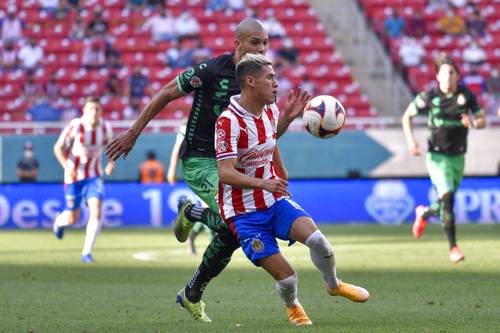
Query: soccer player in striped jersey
254,198
451,110
78,150
213,82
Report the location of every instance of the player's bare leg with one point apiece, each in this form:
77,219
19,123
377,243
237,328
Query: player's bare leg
304,230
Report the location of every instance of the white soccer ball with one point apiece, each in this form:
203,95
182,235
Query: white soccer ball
324,116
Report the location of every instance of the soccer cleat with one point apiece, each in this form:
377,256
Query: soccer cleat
298,316
58,231
420,222
182,225
456,255
349,291
196,310
87,258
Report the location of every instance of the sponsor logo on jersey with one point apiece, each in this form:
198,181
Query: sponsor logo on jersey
389,202
257,245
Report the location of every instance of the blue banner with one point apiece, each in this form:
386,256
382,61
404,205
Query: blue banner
31,206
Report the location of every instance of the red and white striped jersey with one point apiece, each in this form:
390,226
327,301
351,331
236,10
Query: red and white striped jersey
251,140
83,147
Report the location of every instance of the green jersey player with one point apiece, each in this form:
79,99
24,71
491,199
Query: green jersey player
451,110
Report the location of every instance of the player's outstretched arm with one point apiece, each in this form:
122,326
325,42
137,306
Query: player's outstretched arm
295,103
123,143
230,176
407,121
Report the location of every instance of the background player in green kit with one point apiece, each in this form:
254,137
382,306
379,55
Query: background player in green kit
451,110
213,82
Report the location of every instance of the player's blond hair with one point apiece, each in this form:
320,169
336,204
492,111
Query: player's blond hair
250,64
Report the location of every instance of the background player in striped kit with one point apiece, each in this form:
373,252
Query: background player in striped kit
78,150
254,198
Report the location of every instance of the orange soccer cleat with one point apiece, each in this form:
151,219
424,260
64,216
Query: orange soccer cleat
349,291
298,316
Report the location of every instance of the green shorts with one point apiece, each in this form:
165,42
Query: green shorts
446,172
200,173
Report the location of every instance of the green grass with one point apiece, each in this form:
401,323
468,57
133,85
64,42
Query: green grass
414,287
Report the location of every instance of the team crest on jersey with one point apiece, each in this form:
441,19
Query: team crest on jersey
195,82
221,147
257,245
461,99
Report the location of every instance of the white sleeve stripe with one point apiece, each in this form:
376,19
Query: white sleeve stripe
226,156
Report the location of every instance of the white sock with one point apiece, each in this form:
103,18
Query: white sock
287,289
93,227
323,257
62,219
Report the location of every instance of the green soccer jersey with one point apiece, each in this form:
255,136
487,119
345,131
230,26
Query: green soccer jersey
213,82
446,134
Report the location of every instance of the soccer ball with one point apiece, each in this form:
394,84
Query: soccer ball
324,116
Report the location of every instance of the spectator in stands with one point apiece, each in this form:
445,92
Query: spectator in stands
137,84
113,57
135,4
113,86
162,26
8,59
27,167
52,89
179,55
411,52
186,25
288,54
97,27
437,5
476,25
78,28
200,52
394,24
308,85
458,3
12,26
493,87
74,4
474,54
155,3
55,8
152,170
451,24
69,110
415,25
474,81
30,55
273,27
94,54
132,110
284,83
31,89
42,110
216,5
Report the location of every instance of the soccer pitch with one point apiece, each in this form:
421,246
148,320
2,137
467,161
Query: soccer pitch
132,285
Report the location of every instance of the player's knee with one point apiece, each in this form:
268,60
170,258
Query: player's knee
448,201
318,243
73,216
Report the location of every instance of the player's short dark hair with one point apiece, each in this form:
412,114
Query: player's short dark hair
92,99
151,155
250,64
444,59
